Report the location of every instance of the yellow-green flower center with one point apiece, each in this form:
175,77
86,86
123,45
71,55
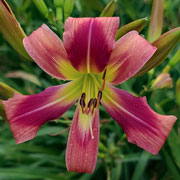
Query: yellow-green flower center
93,85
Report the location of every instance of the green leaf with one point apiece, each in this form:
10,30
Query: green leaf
11,29
175,59
49,130
170,165
174,144
141,165
137,25
109,10
178,91
29,173
156,21
165,44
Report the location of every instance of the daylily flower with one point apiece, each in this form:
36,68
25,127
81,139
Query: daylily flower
94,62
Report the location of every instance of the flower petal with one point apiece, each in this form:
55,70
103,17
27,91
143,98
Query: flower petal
48,51
26,114
89,42
82,149
142,125
130,53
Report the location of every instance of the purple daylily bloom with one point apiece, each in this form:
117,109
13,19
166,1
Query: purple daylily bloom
94,62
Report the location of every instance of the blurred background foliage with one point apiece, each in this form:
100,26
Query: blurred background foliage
43,158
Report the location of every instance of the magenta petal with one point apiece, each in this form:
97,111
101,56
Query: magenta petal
130,53
142,125
26,114
81,152
89,42
48,51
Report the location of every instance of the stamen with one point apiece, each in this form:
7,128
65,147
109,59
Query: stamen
88,107
90,103
99,96
104,75
94,106
104,80
82,104
95,103
83,96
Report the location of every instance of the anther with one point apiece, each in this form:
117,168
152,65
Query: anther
94,102
99,96
104,75
82,103
90,103
83,96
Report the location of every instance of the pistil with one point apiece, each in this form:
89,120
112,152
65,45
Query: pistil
90,126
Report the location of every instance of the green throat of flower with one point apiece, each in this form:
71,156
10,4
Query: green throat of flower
92,90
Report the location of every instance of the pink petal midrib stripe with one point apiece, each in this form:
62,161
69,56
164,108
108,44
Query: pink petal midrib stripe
89,45
132,115
45,106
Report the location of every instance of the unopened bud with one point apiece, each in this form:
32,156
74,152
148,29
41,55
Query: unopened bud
162,81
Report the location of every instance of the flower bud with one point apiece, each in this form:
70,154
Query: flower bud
162,81
108,11
11,29
41,6
5,93
137,25
68,8
165,44
156,22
